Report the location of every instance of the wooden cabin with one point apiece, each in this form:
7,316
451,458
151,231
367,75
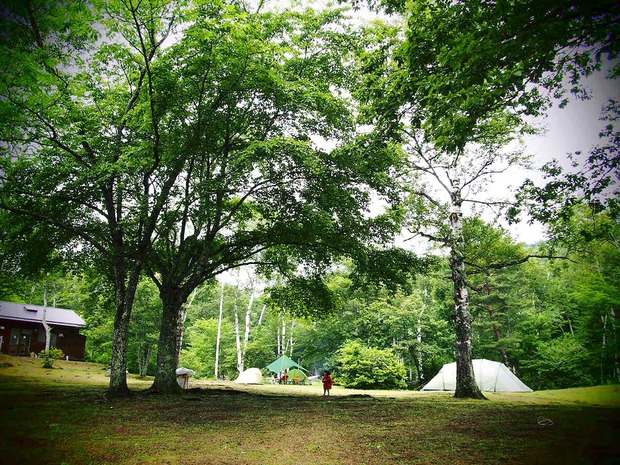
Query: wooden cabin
22,332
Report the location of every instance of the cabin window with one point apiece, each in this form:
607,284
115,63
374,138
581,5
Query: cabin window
41,337
14,336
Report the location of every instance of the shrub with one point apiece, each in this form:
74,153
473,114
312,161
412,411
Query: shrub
49,356
364,367
562,363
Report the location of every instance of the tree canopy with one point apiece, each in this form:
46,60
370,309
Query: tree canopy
178,138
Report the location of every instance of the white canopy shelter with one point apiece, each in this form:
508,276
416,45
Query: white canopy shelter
490,376
250,376
183,375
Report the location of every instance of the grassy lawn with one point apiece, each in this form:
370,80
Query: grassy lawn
62,416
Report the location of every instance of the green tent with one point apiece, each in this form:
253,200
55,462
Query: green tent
296,375
282,364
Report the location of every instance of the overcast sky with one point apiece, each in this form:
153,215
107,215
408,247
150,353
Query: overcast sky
567,130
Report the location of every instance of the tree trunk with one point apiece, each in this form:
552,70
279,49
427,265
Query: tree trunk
219,335
125,291
418,366
284,343
262,313
144,355
44,320
248,322
466,386
604,348
496,332
495,326
238,335
181,326
118,366
614,332
419,355
165,378
290,341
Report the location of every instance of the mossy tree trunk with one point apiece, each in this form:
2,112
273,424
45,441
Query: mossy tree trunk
125,291
466,386
167,354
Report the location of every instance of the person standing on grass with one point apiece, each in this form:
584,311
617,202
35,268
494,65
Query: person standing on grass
327,382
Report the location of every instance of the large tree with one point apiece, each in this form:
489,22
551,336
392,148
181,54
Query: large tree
81,138
252,93
462,81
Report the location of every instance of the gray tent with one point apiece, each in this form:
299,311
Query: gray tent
250,376
490,376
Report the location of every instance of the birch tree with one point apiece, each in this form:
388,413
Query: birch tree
237,331
262,314
181,324
219,333
44,320
461,83
248,322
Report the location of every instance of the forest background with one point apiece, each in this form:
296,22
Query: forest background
377,316
549,320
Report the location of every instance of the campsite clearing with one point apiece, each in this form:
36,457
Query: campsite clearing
62,416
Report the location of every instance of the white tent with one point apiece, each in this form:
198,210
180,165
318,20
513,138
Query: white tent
490,376
250,376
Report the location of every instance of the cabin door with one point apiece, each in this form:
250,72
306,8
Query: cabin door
20,341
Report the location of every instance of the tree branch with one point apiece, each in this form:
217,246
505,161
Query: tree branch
497,266
59,224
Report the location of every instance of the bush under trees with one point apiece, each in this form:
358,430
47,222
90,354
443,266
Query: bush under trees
364,367
50,356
